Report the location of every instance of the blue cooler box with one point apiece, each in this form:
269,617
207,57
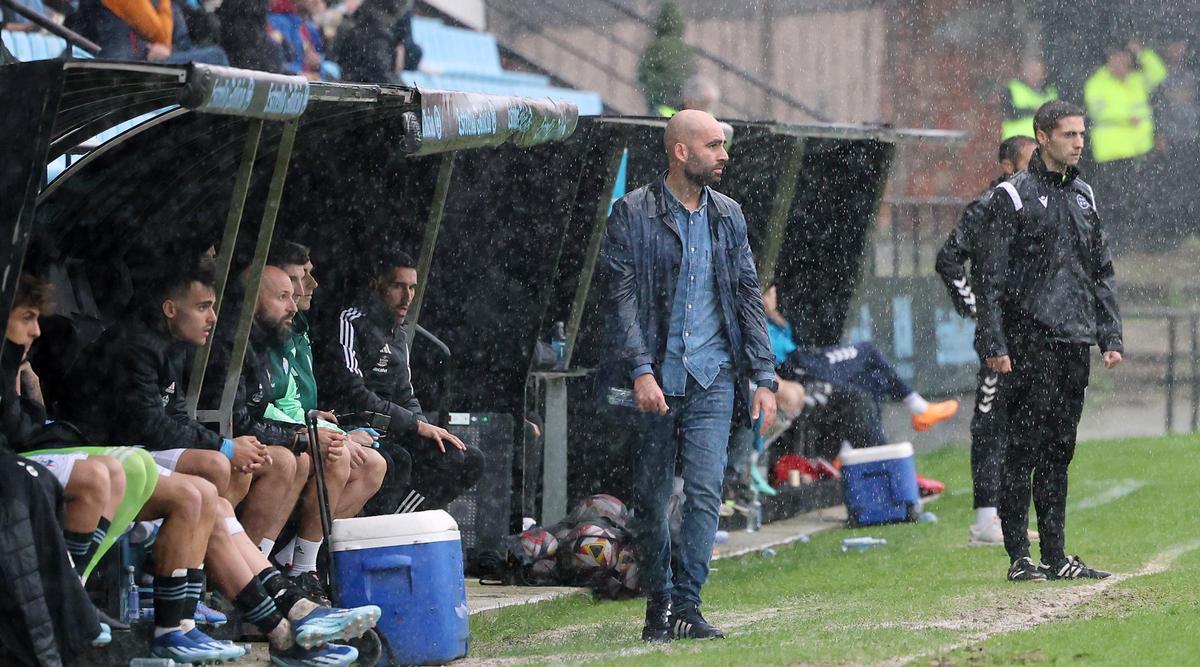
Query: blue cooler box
880,485
411,566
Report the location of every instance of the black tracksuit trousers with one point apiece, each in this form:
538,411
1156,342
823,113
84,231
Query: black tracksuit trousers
1045,393
420,477
987,438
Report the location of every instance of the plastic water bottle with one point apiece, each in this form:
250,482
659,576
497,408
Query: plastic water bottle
767,552
152,662
861,543
621,398
928,517
558,341
130,601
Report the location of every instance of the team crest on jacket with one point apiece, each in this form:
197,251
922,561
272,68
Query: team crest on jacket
1082,201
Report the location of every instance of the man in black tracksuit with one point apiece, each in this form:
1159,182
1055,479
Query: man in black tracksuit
1045,289
987,441
368,372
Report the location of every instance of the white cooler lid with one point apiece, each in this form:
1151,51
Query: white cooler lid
391,530
901,450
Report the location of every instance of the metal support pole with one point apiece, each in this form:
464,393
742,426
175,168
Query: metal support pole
266,232
437,207
1170,379
554,457
233,222
586,273
781,208
1195,370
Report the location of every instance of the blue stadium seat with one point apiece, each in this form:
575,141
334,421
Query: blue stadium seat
469,61
27,46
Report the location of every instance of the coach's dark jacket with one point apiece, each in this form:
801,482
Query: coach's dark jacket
640,261
1042,261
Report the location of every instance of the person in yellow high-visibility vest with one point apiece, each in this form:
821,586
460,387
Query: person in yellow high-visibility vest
1117,97
1023,96
1121,134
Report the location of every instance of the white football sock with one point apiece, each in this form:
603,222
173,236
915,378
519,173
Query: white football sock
916,403
984,515
284,556
265,546
305,557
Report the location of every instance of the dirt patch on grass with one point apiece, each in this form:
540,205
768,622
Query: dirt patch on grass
1043,605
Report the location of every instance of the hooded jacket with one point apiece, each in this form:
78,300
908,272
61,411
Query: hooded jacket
1042,263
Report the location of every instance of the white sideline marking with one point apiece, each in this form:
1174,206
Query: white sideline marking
1118,489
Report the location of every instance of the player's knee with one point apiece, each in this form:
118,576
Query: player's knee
374,468
89,482
214,467
283,461
116,475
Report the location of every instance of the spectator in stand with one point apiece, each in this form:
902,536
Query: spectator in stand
351,480
247,36
368,373
303,42
1178,111
370,40
149,30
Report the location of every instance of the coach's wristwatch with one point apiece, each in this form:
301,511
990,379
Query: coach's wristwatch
771,385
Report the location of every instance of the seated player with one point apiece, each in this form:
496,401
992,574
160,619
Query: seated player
350,480
198,528
860,366
135,376
367,372
94,481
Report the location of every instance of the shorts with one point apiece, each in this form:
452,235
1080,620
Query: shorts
168,459
59,465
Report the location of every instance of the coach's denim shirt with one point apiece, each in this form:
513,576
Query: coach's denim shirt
696,344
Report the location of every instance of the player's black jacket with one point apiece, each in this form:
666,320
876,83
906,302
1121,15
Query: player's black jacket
130,387
956,252
367,370
1041,259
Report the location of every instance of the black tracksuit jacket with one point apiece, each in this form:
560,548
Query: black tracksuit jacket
1041,261
130,387
363,365
952,258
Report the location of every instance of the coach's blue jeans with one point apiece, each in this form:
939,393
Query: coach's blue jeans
698,422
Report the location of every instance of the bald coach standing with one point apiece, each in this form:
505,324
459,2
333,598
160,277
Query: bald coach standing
687,329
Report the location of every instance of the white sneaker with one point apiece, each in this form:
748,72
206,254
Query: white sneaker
987,535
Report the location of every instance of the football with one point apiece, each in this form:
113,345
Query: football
535,544
600,506
594,547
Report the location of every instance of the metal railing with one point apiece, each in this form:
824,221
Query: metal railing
1175,357
910,232
623,78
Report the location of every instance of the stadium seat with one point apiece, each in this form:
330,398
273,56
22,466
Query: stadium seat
28,46
467,60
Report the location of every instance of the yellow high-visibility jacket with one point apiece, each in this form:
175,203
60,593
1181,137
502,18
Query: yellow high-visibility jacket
1119,112
1020,104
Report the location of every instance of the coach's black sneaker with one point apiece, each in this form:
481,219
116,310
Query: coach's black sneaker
658,619
1023,569
689,624
1073,568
